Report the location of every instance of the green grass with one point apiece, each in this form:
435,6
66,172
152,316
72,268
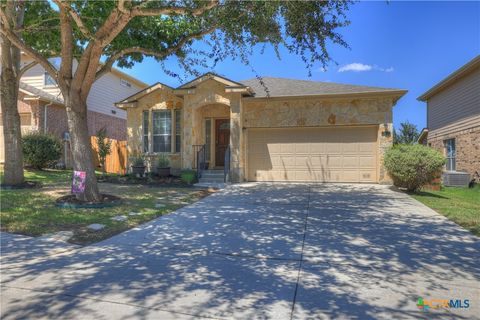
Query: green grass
461,205
33,211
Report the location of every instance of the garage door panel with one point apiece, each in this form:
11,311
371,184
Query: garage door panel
338,154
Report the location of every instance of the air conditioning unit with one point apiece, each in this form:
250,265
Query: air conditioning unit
455,179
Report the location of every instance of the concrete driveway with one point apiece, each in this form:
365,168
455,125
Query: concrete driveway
280,251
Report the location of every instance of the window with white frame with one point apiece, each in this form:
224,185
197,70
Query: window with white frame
146,129
451,154
162,130
178,130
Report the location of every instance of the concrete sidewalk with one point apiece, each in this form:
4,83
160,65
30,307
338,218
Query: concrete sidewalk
280,251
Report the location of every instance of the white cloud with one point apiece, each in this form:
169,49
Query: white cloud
360,67
356,67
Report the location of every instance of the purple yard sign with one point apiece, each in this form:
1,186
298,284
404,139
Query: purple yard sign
78,183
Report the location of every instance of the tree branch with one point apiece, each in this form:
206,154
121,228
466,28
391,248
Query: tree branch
25,68
6,31
76,17
140,11
107,66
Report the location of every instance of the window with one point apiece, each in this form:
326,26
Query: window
145,131
162,131
178,130
125,83
208,137
450,152
48,80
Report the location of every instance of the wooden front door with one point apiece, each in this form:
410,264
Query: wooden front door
222,139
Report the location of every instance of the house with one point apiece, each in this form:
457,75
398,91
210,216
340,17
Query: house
41,107
272,129
453,119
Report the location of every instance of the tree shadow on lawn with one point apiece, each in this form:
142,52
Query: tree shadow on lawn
236,254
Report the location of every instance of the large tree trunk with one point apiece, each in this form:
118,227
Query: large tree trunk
80,145
12,134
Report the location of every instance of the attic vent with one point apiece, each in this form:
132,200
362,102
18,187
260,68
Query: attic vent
125,83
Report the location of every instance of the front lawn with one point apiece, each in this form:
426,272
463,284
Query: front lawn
461,205
33,211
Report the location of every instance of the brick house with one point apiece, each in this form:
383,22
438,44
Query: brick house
41,108
453,118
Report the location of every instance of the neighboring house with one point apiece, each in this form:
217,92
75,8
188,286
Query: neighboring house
41,107
299,131
453,118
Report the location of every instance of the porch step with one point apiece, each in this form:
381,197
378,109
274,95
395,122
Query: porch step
211,176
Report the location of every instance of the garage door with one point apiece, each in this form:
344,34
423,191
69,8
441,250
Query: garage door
334,154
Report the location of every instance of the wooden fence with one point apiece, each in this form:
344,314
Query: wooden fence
116,161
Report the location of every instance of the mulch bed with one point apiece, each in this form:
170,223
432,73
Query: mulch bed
70,201
150,181
25,185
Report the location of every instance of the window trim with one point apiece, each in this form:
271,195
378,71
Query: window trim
148,147
170,134
177,135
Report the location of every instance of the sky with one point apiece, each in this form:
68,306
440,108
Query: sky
406,45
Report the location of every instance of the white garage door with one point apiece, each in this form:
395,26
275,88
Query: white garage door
336,154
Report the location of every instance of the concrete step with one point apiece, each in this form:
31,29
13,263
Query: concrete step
212,175
205,180
211,185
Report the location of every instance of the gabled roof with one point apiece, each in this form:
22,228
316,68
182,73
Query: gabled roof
35,93
208,76
454,76
135,97
283,87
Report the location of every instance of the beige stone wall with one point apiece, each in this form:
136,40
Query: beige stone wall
159,99
467,143
311,112
208,99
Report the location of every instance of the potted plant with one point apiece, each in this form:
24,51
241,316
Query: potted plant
138,165
163,166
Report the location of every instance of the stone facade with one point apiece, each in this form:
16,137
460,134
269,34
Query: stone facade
313,112
467,144
210,99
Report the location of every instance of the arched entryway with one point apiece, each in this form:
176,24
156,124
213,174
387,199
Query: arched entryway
212,122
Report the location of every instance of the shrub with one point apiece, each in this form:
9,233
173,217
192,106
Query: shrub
137,160
163,161
413,166
41,150
188,176
104,147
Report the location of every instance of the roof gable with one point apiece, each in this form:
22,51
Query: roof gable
137,96
195,82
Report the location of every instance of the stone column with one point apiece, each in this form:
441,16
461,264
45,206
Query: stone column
187,143
236,141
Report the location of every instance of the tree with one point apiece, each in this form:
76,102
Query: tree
124,32
16,13
408,134
104,147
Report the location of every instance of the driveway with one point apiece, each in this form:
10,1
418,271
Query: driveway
280,251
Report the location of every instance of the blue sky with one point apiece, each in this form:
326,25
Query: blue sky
406,45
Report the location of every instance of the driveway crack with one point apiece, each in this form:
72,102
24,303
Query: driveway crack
301,253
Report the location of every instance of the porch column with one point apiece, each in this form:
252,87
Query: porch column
187,143
236,142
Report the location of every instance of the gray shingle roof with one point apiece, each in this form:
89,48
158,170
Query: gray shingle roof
283,87
41,94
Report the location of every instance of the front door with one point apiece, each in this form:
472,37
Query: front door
222,139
